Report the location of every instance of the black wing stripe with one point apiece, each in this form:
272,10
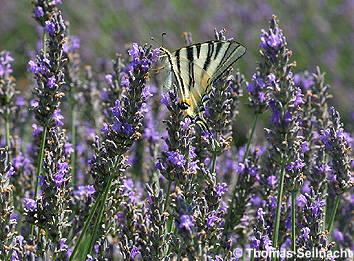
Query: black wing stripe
178,56
198,45
173,69
210,54
190,53
230,53
226,64
228,47
218,48
178,60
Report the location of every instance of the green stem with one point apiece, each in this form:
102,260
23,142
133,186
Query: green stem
293,220
252,255
213,162
44,136
85,228
73,142
333,214
325,209
230,210
248,146
39,166
278,210
44,39
7,132
167,195
100,215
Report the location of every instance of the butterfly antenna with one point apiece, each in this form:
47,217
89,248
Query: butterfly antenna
162,35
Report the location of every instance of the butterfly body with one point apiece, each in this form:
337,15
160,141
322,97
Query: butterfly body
194,69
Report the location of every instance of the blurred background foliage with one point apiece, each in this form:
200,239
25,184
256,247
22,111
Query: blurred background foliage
319,32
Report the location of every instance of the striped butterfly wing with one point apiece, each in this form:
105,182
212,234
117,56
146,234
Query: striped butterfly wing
195,67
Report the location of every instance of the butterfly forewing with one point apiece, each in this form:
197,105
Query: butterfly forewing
195,67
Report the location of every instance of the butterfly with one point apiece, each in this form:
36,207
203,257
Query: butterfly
194,68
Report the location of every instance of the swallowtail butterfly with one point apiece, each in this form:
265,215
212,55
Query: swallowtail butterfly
194,68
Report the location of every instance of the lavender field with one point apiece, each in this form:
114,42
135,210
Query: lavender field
99,161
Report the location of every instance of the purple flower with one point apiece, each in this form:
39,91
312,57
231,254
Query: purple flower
241,168
267,243
63,168
34,103
134,252
288,117
305,233
57,117
124,81
128,128
295,165
260,214
316,207
251,88
134,51
72,44
33,67
337,235
165,98
10,172
85,191
254,242
276,115
38,11
256,200
271,77
305,147
332,177
221,189
109,78
272,180
272,202
117,126
325,137
301,200
261,97
63,246
253,170
15,257
176,159
298,97
186,222
105,128
185,124
146,93
5,66
30,204
90,190
68,148
159,166
116,111
193,166
51,82
49,27
271,41
155,55
14,217
20,101
211,219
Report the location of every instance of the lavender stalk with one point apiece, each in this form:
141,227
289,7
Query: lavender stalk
7,92
123,128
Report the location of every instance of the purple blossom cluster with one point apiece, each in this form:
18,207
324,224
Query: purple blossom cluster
106,166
